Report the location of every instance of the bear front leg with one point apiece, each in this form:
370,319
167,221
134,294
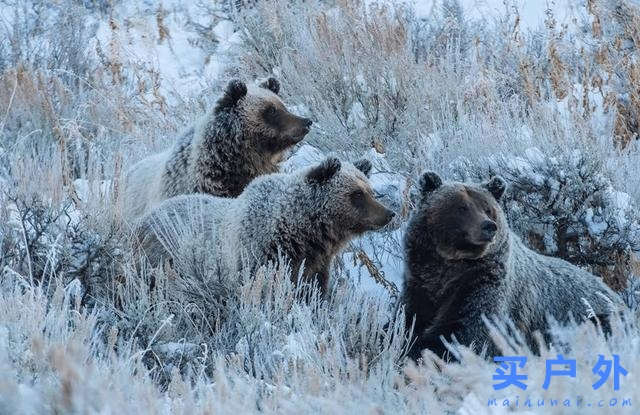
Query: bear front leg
468,332
474,333
464,321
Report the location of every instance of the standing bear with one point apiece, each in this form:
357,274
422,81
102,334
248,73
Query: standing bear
306,216
244,136
463,261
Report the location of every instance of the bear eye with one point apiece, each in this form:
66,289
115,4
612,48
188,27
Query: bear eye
357,198
270,115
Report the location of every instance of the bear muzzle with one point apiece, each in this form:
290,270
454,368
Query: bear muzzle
303,128
384,218
488,230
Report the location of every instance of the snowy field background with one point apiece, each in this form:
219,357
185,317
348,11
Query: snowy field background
545,94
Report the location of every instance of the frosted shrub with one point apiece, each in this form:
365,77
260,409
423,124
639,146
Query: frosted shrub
366,91
43,241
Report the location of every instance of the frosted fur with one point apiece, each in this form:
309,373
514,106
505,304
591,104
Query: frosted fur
218,155
448,296
305,220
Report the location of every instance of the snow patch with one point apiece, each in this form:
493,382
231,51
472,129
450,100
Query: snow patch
305,156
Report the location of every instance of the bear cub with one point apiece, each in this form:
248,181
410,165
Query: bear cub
306,216
463,261
243,136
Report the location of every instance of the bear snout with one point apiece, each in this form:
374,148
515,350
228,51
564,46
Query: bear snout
299,127
306,126
488,230
386,217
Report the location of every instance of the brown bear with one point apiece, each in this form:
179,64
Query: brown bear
463,262
306,216
243,136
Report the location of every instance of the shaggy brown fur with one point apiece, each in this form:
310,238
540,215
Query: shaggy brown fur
306,216
463,262
244,136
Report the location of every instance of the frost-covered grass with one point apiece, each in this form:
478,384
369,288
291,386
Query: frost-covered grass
89,87
154,356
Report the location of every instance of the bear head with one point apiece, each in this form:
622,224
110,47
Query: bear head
461,220
342,192
265,122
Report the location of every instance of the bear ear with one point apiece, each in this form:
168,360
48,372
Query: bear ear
429,181
235,91
364,166
496,186
272,85
324,171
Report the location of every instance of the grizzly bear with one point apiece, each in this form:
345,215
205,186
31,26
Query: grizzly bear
245,135
306,217
463,262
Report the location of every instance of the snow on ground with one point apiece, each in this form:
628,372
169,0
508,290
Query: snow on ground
162,38
532,13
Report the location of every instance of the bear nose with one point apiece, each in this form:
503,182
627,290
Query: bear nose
307,122
489,229
385,217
